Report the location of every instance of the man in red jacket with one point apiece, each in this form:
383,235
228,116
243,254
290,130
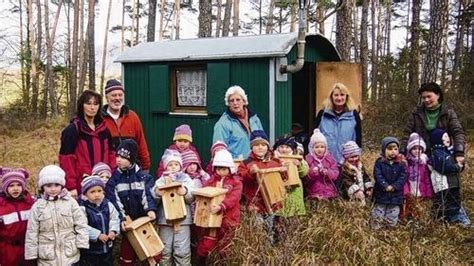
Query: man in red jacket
124,123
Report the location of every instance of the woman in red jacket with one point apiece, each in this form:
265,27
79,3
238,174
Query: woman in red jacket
224,172
85,142
15,205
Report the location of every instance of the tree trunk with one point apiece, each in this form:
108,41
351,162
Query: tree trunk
344,30
388,29
25,93
364,48
177,10
83,50
226,23
438,18
374,74
218,18
34,61
293,15
104,52
204,19
137,21
162,19
355,35
236,18
150,35
462,23
444,54
122,29
66,77
414,68
269,28
49,79
74,54
91,44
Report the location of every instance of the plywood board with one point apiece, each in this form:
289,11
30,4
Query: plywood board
329,73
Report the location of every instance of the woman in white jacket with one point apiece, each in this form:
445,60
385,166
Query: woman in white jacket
57,227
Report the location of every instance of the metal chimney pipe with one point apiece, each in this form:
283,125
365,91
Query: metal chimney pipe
298,65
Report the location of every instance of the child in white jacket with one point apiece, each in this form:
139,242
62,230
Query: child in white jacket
57,227
177,243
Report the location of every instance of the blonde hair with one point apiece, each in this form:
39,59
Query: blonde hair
350,105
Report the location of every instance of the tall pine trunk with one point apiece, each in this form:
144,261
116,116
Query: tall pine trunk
364,48
226,22
269,27
219,18
162,19
74,55
438,18
122,29
344,30
204,19
414,68
150,34
104,51
374,73
91,44
236,18
462,23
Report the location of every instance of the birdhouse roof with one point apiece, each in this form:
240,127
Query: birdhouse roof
209,192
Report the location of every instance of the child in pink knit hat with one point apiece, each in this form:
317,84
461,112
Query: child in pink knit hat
182,142
15,205
418,183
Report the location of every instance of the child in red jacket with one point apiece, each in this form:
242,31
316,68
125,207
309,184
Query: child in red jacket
15,205
261,157
224,172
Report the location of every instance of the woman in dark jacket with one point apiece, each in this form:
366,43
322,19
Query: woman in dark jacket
85,142
434,113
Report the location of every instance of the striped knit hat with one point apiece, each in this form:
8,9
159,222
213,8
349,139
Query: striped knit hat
183,132
113,84
190,157
101,168
350,149
416,140
14,175
91,181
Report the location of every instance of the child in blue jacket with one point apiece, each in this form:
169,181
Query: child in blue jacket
129,190
103,222
389,173
445,177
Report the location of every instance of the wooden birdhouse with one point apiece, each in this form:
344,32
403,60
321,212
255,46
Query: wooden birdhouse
144,239
173,203
272,187
205,198
293,176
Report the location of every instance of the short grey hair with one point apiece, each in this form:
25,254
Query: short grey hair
235,90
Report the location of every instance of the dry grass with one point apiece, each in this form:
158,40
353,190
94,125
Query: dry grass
334,232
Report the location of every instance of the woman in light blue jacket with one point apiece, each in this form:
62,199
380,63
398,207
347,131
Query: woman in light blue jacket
236,123
339,120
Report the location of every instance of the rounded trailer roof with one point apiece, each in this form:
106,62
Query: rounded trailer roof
271,45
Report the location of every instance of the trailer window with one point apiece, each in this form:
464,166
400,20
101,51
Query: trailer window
190,89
